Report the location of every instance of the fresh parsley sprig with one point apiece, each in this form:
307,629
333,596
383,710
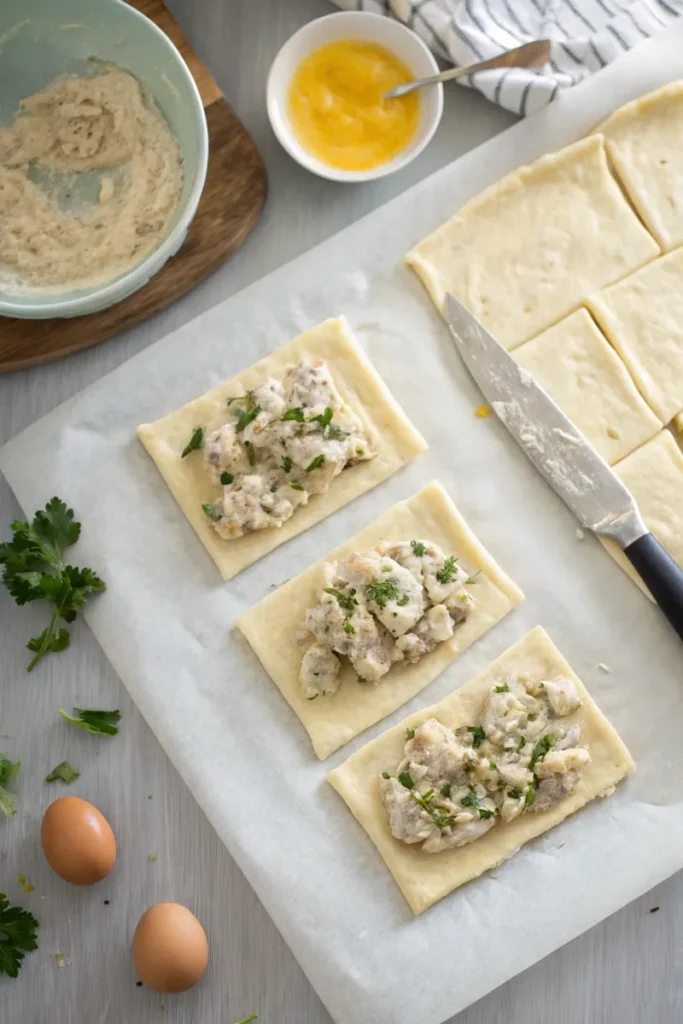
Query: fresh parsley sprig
101,723
18,931
195,442
381,591
35,570
448,570
9,772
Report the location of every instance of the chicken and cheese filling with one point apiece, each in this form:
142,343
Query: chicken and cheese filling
453,786
393,603
284,441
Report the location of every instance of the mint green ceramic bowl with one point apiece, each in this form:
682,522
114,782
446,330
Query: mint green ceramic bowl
41,39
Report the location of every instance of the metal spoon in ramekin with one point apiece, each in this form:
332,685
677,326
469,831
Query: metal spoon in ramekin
530,55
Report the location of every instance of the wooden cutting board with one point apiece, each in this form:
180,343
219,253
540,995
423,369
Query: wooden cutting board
230,206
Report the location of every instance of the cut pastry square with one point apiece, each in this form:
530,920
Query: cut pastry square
642,316
423,877
654,476
478,595
581,371
272,443
645,144
528,250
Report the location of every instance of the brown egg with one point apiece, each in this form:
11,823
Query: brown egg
77,841
170,949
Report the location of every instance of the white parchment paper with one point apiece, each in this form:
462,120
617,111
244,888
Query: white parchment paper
165,621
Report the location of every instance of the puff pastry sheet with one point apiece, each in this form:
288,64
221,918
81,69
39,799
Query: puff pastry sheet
645,144
426,878
643,318
654,476
530,249
395,439
271,625
582,372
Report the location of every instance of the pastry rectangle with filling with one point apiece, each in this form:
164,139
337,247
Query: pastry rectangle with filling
273,625
642,317
528,250
581,371
598,758
325,360
645,141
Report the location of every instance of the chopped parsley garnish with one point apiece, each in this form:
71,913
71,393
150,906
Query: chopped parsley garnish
226,479
287,463
296,486
9,772
493,766
317,462
18,930
35,570
423,799
540,750
246,417
348,626
335,433
484,812
440,817
418,548
195,442
346,601
478,735
406,780
530,796
410,734
469,801
522,742
403,601
514,794
448,571
251,454
472,579
210,510
446,789
101,723
504,688
62,771
324,419
381,591
294,414
240,398
386,775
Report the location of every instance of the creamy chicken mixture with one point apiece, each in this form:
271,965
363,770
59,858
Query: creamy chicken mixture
394,603
284,441
520,758
63,138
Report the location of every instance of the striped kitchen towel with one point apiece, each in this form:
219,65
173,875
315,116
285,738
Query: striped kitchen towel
585,34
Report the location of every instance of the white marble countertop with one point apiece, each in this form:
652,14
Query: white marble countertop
625,970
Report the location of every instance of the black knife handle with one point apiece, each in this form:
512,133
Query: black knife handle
661,575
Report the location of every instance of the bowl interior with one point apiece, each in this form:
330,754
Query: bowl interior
353,25
42,39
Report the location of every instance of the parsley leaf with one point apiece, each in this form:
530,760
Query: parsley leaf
406,779
440,817
386,775
226,479
469,801
529,796
446,789
211,510
63,771
196,441
448,570
246,417
34,570
287,463
317,462
472,579
296,486
335,433
324,419
18,930
540,750
346,601
348,626
410,734
514,794
381,591
478,735
504,688
484,812
240,398
248,1020
418,548
101,723
8,773
403,601
294,414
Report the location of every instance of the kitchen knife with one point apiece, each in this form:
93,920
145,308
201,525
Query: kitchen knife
569,463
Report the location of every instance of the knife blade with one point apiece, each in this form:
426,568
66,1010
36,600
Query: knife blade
565,458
